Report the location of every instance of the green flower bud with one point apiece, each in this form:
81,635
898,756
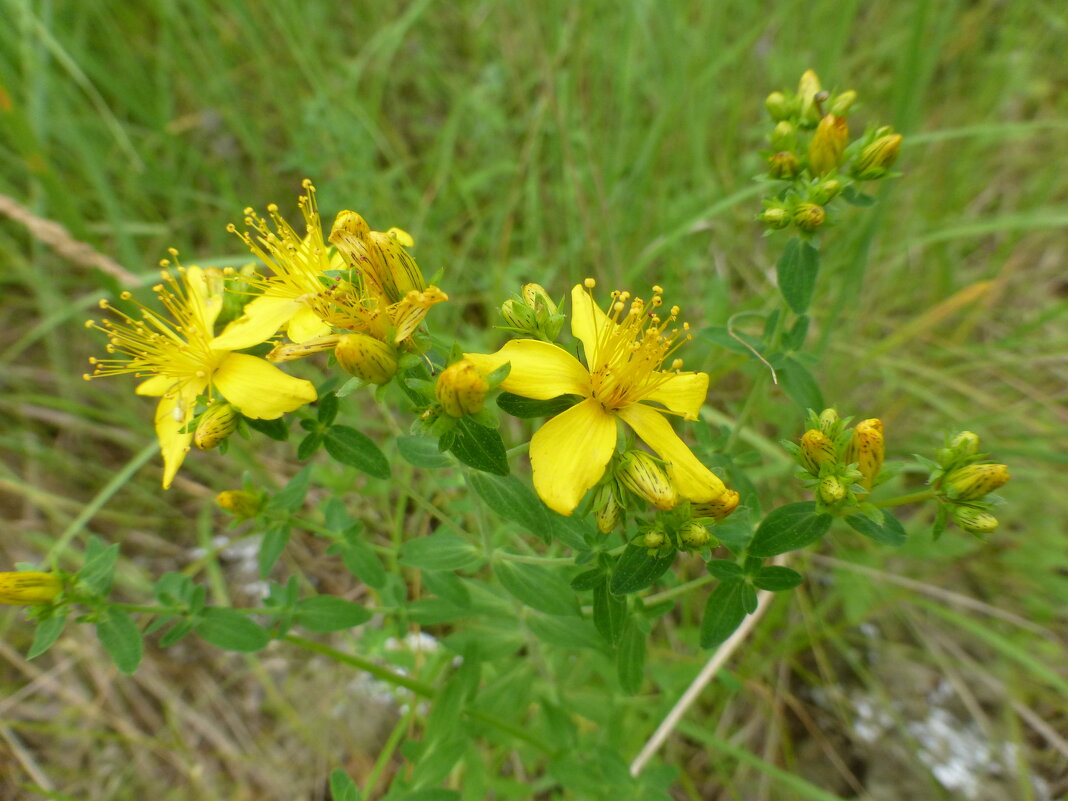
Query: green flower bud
535,296
829,421
966,443
784,166
810,93
777,105
826,191
974,481
876,159
843,102
606,508
642,474
653,538
784,137
775,218
461,389
693,535
831,490
809,216
215,425
973,520
365,357
519,315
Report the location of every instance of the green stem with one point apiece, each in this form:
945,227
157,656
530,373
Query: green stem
901,500
682,589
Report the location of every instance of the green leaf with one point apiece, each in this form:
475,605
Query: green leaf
851,195
442,550
513,500
349,446
724,610
588,580
309,445
479,447
291,497
326,613
636,569
99,567
363,562
724,569
275,429
525,408
342,787
795,337
776,578
609,612
788,528
274,542
799,385
576,534
630,658
48,631
891,532
797,271
537,587
735,532
327,411
121,638
228,629
431,794
566,632
423,452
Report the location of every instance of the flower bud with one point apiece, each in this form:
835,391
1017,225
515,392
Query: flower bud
974,521
966,443
519,315
720,508
826,191
975,480
606,508
29,588
461,389
653,538
784,165
831,490
241,504
366,357
829,421
827,146
809,90
775,218
777,105
784,136
809,216
535,296
843,102
817,450
694,535
216,424
868,450
877,158
642,474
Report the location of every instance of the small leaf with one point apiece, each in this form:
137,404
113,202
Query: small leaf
513,500
788,528
291,497
274,542
724,569
573,532
891,532
326,613
327,411
342,787
479,447
48,631
349,446
99,567
442,550
423,452
797,271
525,408
275,429
724,611
776,578
309,445
795,337
537,587
799,385
567,632
588,580
636,569
630,658
121,638
231,630
363,562
609,612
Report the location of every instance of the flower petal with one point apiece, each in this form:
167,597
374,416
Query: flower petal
156,386
540,370
587,320
206,289
692,479
262,318
681,392
258,388
305,325
569,454
172,415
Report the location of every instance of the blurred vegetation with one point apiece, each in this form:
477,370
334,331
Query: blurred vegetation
548,142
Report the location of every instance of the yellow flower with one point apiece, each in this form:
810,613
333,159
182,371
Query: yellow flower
182,362
625,351
29,587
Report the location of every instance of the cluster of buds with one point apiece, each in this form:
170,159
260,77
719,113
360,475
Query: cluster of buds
533,313
962,479
636,478
810,149
841,464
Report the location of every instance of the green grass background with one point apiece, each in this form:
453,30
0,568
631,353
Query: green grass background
549,141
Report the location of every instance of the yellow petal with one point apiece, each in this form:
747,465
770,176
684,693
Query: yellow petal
258,388
172,415
206,289
305,325
681,392
261,320
540,370
587,320
569,454
156,386
692,479
407,315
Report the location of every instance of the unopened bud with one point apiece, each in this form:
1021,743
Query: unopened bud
216,424
809,90
461,389
867,449
829,421
826,191
975,480
974,521
642,474
777,105
720,508
831,490
966,443
241,504
843,102
29,588
775,218
519,315
828,144
877,158
817,450
653,538
784,136
809,216
784,165
606,508
365,357
535,296
694,535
